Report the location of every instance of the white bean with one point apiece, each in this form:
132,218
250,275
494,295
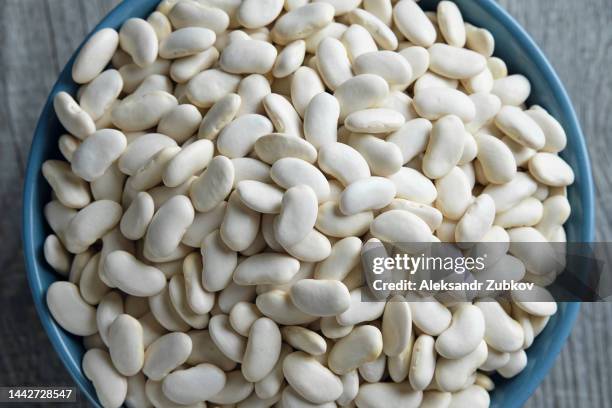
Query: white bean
360,92
266,268
255,14
297,216
236,389
126,345
231,344
412,22
252,90
477,220
242,316
357,40
432,80
142,111
374,121
463,335
434,103
374,371
70,190
511,193
554,133
240,224
333,63
555,212
289,59
209,86
304,339
168,227
451,23
381,33
454,62
204,350
101,93
359,311
414,186
262,350
191,160
479,39
454,194
520,127
429,315
331,221
183,69
70,310
516,364
194,14
248,57
527,213
383,158
400,395
219,262
332,30
56,255
342,6
185,386
305,85
283,115
180,123
452,375
133,75
74,119
445,148
501,331
137,37
130,275
95,55
496,159
290,171
111,387
199,300
161,24
97,153
343,163
312,380
372,193
551,170
396,327
90,224
277,305
320,297
302,22
512,90
155,83
472,396
141,151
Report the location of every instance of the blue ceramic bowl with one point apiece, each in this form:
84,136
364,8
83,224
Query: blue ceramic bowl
513,45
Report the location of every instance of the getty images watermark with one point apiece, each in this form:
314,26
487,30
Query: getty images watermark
533,271
459,265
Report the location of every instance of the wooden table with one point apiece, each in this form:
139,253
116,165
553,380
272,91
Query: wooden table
38,36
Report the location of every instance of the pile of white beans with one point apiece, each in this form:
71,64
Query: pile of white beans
223,174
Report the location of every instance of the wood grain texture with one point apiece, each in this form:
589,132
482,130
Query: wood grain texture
36,39
38,36
577,39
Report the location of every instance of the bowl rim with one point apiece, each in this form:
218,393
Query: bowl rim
113,19
527,43
127,8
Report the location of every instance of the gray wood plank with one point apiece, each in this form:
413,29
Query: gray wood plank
36,39
576,38
38,36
